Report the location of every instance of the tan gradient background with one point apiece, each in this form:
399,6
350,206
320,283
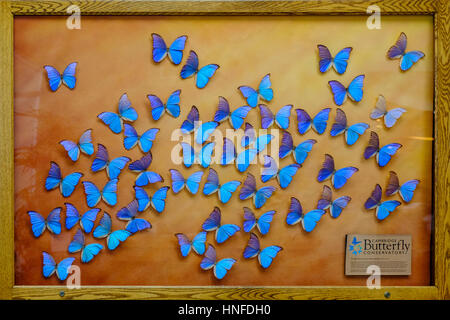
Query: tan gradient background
114,56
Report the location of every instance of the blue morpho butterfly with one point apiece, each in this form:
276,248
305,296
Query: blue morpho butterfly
126,113
263,223
284,175
319,123
66,185
145,141
398,51
249,190
352,133
390,117
129,214
338,177
281,118
86,221
203,75
192,183
265,256
236,117
309,220
223,231
175,51
354,90
191,121
113,238
113,167
157,201
144,177
39,224
406,190
335,206
88,251
264,92
300,152
84,145
172,106
198,243
108,194
204,131
55,78
339,62
262,141
242,160
249,135
225,191
383,154
202,157
383,209
220,267
49,266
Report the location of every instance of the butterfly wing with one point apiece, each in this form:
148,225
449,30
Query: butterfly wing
339,92
262,141
62,269
340,123
198,243
141,164
142,198
338,205
176,50
237,116
37,223
213,221
188,154
157,106
104,227
249,135
282,118
250,94
85,142
69,183
112,120
173,104
191,66
54,177
249,220
193,182
311,218
270,169
223,110
327,168
287,145
117,237
267,255
90,251
267,117
206,154
129,212
355,89
68,76
222,267
374,199
262,195
325,58
295,213
130,137
209,260
72,216
385,154
380,108
227,189
205,74
159,51
302,150
101,159
178,181
264,90
72,149
109,193
398,49
248,189
184,243
286,174
126,111
320,121
264,221
374,145
253,247
116,166
48,264
245,158
53,221
229,152
340,61
341,176
77,243
226,231
392,116
54,78
189,124
407,190
393,184
386,208
147,138
409,59
92,193
136,225
147,177
204,131
325,200
88,219
158,200
353,132
304,121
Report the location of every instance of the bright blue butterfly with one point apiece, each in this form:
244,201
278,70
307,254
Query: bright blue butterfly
203,75
86,221
49,266
157,201
66,185
380,111
84,145
282,117
249,190
407,59
144,177
300,152
265,256
236,117
204,131
284,175
225,191
352,133
129,213
192,183
126,113
382,209
191,121
338,177
39,224
335,206
242,160
309,220
228,152
88,252
108,194
262,141
198,243
263,223
223,231
249,135
145,141
339,62
68,77
264,91
113,167
354,90
202,157
319,123
383,154
175,51
172,106
220,267
104,230
406,190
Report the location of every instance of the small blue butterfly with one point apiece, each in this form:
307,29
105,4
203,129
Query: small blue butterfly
203,75
157,201
398,51
220,267
113,167
339,62
284,175
265,256
68,77
192,183
198,243
126,113
175,51
202,157
390,117
172,106
259,196
39,224
338,177
309,220
264,92
86,221
383,154
223,231
66,185
225,191
236,117
335,206
145,141
406,190
319,123
49,266
84,145
104,230
281,118
129,213
354,90
144,177
382,209
263,223
352,133
108,194
300,152
88,252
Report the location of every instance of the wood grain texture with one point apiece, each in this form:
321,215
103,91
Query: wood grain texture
225,293
6,153
222,7
442,154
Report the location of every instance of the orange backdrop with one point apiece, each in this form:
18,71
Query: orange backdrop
114,57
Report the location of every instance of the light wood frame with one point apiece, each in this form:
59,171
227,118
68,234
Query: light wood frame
440,264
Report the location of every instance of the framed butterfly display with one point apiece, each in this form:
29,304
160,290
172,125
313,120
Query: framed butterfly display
197,152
